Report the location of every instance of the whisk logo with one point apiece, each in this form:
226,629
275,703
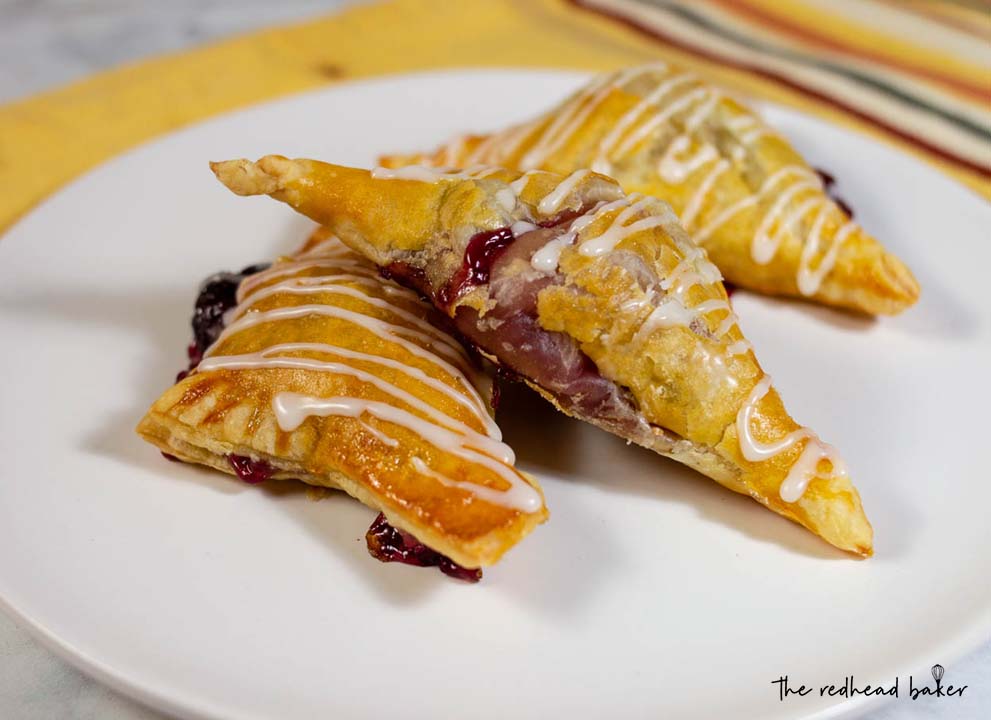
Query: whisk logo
937,691
850,689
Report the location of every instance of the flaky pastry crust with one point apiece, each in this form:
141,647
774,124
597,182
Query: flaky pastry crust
374,347
741,190
598,299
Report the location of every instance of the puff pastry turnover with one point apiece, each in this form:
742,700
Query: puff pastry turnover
598,299
740,188
331,375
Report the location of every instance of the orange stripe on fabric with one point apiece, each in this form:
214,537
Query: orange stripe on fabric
919,142
872,38
51,138
975,21
813,37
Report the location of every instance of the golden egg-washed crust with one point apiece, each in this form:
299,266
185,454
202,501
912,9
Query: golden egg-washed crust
681,378
627,123
210,415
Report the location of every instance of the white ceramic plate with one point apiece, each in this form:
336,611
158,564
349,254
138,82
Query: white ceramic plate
651,592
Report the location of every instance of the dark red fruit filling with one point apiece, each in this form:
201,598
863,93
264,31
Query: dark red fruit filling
251,471
406,275
511,333
563,217
843,205
730,288
503,376
194,353
482,251
390,544
829,183
218,294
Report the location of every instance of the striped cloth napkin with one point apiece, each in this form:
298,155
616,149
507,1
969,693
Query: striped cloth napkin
914,74
916,71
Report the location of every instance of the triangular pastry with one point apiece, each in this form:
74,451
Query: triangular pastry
327,373
598,299
740,189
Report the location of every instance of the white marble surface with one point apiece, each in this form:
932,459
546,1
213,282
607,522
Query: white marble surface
47,42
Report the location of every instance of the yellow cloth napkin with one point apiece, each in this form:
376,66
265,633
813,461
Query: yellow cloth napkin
850,61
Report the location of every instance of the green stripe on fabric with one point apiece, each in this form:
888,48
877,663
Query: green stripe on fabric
965,124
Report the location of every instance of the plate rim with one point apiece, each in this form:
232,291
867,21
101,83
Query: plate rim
144,692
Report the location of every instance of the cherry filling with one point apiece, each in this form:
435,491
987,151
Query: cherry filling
250,471
406,275
218,294
482,251
565,216
511,333
829,183
390,544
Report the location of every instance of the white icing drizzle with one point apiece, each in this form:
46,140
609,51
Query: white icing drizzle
329,247
432,174
751,136
553,134
724,327
672,312
803,172
443,429
668,313
264,359
698,197
619,230
386,330
333,285
639,133
551,202
521,501
251,282
484,171
291,409
602,163
805,468
326,284
521,226
422,173
452,152
810,280
523,180
692,269
653,109
571,117
764,245
547,258
674,170
480,153
583,221
272,357
739,123
379,435
512,139
506,198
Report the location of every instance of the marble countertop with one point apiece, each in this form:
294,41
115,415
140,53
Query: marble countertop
48,42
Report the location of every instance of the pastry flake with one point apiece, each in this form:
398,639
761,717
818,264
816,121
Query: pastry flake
739,187
598,299
329,374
